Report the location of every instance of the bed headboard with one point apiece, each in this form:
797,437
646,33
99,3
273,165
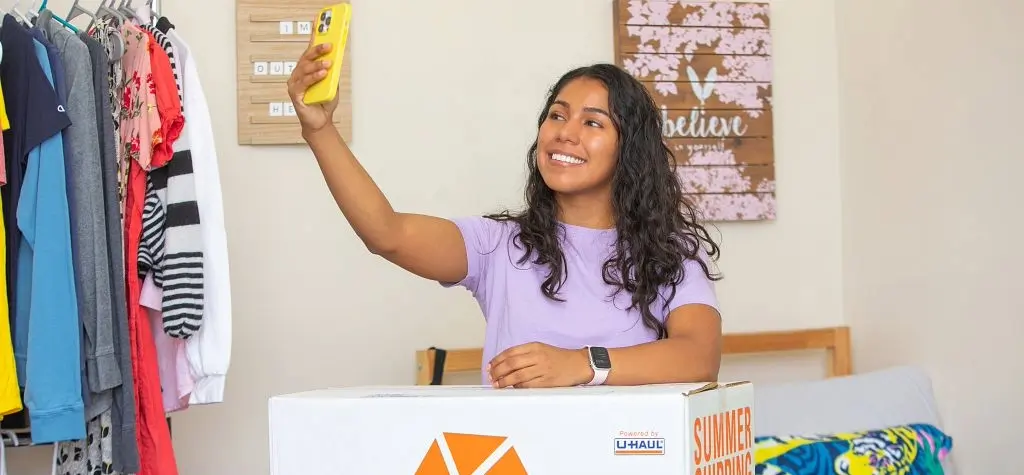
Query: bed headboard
835,341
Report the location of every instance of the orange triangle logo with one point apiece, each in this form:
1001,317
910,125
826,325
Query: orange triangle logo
433,463
468,452
508,464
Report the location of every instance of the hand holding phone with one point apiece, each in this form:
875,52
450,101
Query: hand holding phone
308,71
313,85
331,28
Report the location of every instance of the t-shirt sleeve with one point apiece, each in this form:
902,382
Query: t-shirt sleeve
696,287
47,115
481,236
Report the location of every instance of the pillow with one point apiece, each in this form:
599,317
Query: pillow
914,449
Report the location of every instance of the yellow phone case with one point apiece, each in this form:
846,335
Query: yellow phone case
331,26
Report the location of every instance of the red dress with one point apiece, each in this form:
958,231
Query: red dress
150,122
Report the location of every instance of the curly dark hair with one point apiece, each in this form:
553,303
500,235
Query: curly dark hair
657,227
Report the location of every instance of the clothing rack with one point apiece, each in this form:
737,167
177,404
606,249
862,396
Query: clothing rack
77,9
22,437
167,316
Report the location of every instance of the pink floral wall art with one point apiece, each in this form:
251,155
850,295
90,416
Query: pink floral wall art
709,68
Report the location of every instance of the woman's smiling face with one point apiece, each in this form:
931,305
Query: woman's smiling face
577,144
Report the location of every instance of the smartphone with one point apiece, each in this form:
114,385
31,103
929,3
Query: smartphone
331,27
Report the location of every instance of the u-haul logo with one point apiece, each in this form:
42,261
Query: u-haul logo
471,454
639,446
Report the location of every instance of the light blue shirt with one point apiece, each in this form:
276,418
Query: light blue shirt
47,339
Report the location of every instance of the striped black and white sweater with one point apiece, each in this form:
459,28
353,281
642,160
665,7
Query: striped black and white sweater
171,235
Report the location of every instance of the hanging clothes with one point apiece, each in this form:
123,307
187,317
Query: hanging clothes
5,125
47,329
110,445
121,433
172,241
174,233
175,374
113,239
10,395
88,220
21,74
38,240
209,351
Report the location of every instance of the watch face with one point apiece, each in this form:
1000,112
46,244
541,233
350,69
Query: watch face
600,358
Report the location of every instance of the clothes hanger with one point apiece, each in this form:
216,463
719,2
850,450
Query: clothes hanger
146,14
131,9
17,13
76,9
31,12
3,454
35,14
125,7
105,10
116,50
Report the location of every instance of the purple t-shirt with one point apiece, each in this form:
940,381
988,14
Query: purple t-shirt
517,311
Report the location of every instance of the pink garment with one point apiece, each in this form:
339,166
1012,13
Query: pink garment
175,377
3,163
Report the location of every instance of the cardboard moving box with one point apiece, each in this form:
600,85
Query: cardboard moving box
698,429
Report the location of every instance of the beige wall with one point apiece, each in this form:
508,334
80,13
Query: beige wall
313,309
931,164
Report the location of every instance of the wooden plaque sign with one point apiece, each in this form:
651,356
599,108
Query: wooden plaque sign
271,35
709,68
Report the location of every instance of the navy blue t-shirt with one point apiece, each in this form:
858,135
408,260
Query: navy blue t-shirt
61,88
35,114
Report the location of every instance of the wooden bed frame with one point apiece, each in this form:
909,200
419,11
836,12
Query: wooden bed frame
835,341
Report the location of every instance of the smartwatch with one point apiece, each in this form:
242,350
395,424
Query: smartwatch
600,363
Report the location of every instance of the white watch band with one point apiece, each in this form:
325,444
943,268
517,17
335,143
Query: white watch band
600,375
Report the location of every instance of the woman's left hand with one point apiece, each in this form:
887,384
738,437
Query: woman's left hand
536,365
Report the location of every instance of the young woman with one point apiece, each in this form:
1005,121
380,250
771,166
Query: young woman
604,278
